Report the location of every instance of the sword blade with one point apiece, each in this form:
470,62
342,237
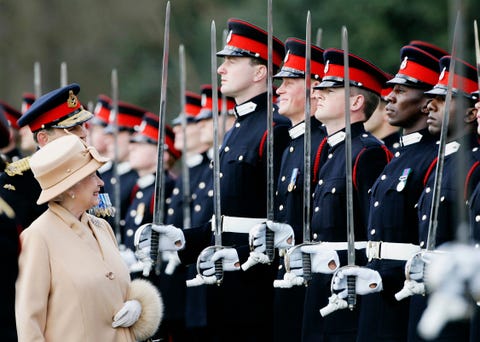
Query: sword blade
37,79
159,199
115,176
63,74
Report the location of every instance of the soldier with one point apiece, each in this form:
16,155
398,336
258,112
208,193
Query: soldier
457,138
378,123
369,157
289,195
129,118
393,224
54,114
97,136
27,143
243,184
11,152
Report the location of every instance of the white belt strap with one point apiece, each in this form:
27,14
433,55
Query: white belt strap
340,246
233,224
390,250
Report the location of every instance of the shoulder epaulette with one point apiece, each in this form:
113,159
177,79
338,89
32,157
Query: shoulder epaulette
18,167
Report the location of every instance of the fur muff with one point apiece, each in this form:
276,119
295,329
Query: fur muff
152,308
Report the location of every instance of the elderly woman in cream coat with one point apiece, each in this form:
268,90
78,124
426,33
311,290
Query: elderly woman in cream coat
73,285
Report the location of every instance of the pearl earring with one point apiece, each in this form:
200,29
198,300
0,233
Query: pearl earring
72,195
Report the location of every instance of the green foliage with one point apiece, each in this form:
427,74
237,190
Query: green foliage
94,37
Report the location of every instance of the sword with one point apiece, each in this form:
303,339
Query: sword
216,158
306,258
159,199
185,170
37,79
224,98
477,51
437,185
63,74
269,235
116,185
351,298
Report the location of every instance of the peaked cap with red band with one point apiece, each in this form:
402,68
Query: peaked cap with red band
363,74
27,101
193,105
102,110
147,132
464,80
11,114
129,117
294,61
386,88
419,69
207,103
247,40
59,108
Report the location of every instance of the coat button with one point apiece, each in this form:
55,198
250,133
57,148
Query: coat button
227,149
110,275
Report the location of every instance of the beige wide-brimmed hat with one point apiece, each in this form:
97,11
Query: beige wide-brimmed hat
62,163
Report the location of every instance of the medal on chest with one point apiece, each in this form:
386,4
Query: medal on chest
402,180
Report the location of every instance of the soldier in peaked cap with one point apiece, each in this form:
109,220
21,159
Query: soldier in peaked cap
393,223
430,48
27,143
11,152
378,123
129,118
54,114
97,136
193,104
460,139
289,195
243,165
329,222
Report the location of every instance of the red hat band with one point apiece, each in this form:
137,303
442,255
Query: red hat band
260,50
70,107
417,71
298,63
459,82
358,77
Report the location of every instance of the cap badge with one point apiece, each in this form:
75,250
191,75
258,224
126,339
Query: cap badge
142,126
442,74
72,100
286,57
404,63
229,36
327,66
204,100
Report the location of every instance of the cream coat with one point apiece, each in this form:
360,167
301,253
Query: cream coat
69,285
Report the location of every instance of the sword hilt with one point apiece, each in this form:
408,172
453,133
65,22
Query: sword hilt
154,241
352,296
219,271
269,244
307,268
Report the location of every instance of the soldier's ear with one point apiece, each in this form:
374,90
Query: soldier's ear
42,138
260,72
471,115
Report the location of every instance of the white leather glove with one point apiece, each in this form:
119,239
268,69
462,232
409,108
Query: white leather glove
229,256
366,281
171,238
128,314
414,274
283,236
172,262
323,259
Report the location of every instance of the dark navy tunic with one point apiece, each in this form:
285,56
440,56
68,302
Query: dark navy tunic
329,223
393,218
243,184
289,207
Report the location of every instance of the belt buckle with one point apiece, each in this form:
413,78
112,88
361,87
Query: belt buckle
373,250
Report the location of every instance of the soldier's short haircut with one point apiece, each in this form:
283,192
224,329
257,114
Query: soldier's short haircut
371,100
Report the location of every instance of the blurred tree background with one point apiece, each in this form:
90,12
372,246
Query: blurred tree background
93,37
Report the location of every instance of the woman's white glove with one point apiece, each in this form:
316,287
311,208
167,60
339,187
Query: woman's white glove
128,314
366,281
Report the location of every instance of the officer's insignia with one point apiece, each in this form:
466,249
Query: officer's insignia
142,126
442,74
9,187
18,167
286,57
327,66
229,36
404,63
72,100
